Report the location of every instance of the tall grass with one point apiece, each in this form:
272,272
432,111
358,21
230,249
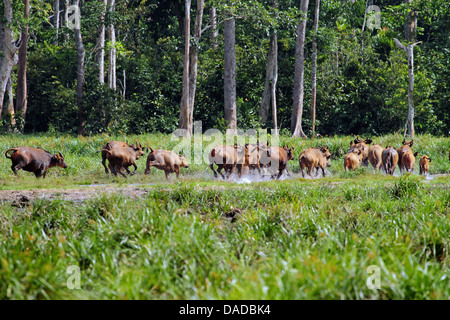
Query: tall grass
286,241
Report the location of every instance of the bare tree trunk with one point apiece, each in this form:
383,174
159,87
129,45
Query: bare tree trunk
314,67
214,32
409,50
10,105
56,20
8,49
112,79
193,61
274,85
184,110
230,73
66,17
101,46
297,110
21,98
80,76
271,75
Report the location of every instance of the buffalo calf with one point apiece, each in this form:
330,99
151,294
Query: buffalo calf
424,164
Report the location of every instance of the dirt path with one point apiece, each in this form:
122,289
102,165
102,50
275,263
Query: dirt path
76,195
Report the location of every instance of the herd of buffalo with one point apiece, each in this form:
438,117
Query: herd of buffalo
246,159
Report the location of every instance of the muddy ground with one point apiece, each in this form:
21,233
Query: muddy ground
76,195
87,192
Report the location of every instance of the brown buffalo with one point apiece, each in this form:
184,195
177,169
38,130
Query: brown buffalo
375,158
408,160
314,158
119,144
361,144
225,157
424,164
275,160
165,160
253,154
389,159
406,146
34,160
353,159
120,158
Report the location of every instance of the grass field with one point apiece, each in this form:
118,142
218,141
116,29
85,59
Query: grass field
201,238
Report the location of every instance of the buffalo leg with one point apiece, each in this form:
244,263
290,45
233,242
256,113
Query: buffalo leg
104,163
214,171
148,169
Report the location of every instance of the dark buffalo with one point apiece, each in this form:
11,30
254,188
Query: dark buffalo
34,160
137,148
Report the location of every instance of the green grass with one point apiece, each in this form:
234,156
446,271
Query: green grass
200,238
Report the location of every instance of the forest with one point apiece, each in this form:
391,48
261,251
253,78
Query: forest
122,67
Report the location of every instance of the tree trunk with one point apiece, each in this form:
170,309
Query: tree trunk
297,110
409,50
80,76
112,79
214,32
184,110
66,17
193,61
8,48
101,46
56,19
410,121
21,98
271,75
10,105
314,67
230,74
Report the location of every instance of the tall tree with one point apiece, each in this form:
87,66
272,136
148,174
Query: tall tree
185,109
269,94
213,23
112,78
314,67
56,19
80,73
21,92
410,34
297,109
100,58
230,73
8,49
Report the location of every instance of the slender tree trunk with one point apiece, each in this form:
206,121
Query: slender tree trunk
214,32
271,74
66,17
10,105
101,46
410,121
8,48
184,110
112,79
409,50
80,76
21,99
314,67
297,110
193,61
274,85
269,96
56,20
230,74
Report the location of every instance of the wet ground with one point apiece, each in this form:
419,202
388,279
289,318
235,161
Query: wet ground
134,190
